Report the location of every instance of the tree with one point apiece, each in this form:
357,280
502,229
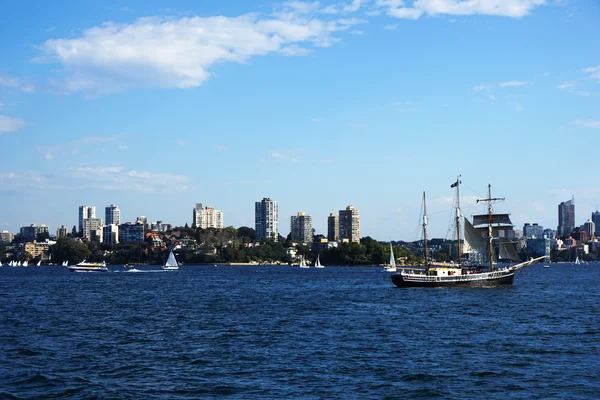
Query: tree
41,237
245,231
67,249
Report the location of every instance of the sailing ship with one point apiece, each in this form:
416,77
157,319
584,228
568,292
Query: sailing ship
318,263
171,263
85,266
487,230
391,267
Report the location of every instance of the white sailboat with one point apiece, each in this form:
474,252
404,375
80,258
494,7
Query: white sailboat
65,263
171,262
25,263
577,260
392,265
303,263
39,263
318,263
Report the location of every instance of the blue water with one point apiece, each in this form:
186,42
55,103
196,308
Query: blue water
282,332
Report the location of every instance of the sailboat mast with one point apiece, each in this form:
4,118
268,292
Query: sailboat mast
425,234
489,200
459,255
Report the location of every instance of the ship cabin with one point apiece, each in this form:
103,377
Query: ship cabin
447,271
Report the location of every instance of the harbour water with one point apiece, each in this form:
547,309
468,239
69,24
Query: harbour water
283,332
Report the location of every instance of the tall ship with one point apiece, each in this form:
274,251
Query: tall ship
487,241
85,266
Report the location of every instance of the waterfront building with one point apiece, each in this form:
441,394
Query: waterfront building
38,249
110,234
590,228
112,215
596,221
349,222
533,230
89,225
207,217
566,217
6,236
61,232
538,247
266,219
301,228
85,212
333,228
131,233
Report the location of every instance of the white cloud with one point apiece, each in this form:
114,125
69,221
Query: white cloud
514,83
180,142
566,85
588,123
505,8
179,52
17,83
594,72
220,147
391,27
10,124
486,86
519,107
317,119
77,146
492,97
331,9
354,6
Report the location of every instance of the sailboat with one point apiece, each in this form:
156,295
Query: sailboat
303,263
391,267
577,260
171,262
25,263
39,263
318,263
65,263
480,232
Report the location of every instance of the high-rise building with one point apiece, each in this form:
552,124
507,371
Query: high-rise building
350,224
596,221
566,217
112,215
266,220
29,232
207,217
333,228
533,231
301,228
61,232
89,225
85,212
141,220
590,228
549,233
110,234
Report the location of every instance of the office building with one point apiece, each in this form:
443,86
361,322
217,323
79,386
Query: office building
333,228
349,222
590,228
31,232
84,213
549,233
301,228
207,217
266,220
6,236
112,215
533,231
566,217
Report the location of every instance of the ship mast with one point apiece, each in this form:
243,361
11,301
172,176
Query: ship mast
425,234
459,255
489,200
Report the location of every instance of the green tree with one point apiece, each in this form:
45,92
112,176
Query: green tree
68,249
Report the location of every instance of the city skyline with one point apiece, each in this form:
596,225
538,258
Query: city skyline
315,104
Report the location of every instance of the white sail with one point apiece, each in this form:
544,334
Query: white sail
171,262
475,243
508,251
318,263
392,265
577,260
303,263
39,263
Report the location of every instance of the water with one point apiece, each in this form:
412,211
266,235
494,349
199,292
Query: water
282,332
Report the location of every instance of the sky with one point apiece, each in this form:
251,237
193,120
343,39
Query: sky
156,106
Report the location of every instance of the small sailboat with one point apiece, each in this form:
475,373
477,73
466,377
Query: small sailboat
39,263
577,261
25,263
171,262
65,263
392,265
318,263
303,263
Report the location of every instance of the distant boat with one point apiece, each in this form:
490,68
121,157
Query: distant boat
25,263
303,263
577,261
39,263
318,263
171,262
65,263
392,265
546,266
88,267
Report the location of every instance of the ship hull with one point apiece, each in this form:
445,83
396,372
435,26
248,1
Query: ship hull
501,278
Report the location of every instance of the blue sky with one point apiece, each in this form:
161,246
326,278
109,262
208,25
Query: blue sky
156,105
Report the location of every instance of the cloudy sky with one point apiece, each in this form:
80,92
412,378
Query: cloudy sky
156,105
